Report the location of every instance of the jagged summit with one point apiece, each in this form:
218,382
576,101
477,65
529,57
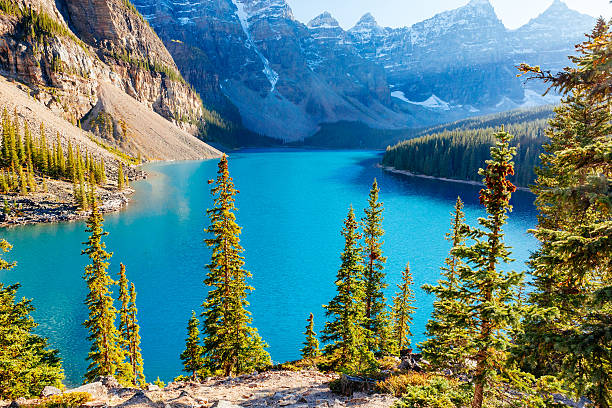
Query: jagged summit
323,20
367,19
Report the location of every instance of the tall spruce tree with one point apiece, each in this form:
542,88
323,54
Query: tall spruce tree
26,363
231,345
376,321
568,333
135,351
489,294
446,336
131,372
106,355
403,310
192,356
344,333
126,372
311,344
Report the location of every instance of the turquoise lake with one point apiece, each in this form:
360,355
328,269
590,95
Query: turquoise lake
291,206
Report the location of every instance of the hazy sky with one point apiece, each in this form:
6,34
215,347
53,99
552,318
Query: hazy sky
398,13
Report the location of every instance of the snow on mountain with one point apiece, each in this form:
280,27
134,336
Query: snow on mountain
243,18
455,63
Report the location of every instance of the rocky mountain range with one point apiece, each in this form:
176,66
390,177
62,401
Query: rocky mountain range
253,61
96,63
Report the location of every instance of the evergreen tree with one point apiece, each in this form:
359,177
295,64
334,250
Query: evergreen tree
26,364
106,355
489,294
231,345
376,321
192,356
125,371
120,176
568,332
311,345
135,351
347,344
403,310
446,336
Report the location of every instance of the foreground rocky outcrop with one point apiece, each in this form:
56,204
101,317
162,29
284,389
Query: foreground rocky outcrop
304,389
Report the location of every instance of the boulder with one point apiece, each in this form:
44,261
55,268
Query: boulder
96,389
49,391
350,384
224,404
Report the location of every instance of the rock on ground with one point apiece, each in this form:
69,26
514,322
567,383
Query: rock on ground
303,389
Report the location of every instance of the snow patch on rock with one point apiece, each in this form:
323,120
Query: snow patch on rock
244,22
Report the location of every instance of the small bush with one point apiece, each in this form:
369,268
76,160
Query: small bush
70,400
437,392
398,384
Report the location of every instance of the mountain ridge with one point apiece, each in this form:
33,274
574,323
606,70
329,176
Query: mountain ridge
254,60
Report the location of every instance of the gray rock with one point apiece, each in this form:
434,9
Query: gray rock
153,387
96,389
49,391
225,404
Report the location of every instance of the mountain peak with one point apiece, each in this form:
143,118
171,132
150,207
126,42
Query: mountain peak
367,19
324,20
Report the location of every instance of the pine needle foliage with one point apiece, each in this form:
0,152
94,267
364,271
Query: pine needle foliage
567,334
488,293
376,321
403,310
231,345
344,333
106,357
446,336
192,356
311,344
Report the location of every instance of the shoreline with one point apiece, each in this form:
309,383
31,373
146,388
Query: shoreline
425,176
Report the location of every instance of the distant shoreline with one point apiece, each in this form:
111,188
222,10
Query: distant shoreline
425,176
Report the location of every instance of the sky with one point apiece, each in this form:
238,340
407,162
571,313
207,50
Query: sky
399,13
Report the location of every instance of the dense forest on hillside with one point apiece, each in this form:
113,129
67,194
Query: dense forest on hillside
458,149
356,135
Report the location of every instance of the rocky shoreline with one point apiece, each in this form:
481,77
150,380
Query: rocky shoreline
425,176
57,204
300,389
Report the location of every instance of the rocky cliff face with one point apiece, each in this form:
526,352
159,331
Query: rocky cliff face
254,55
65,49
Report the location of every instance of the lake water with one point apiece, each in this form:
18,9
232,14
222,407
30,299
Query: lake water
291,207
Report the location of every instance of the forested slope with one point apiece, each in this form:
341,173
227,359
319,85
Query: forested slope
458,149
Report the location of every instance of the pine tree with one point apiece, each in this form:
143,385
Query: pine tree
311,345
403,310
489,294
344,333
446,336
106,355
120,176
135,354
44,152
376,321
125,371
231,345
192,356
567,334
26,364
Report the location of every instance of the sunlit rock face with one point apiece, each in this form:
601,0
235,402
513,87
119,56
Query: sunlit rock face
252,59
